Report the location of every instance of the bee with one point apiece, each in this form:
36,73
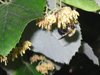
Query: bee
68,31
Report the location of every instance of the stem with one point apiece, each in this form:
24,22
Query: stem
46,9
55,4
60,4
2,2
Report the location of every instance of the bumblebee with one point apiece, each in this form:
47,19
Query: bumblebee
68,31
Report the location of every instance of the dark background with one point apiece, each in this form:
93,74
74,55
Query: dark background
80,64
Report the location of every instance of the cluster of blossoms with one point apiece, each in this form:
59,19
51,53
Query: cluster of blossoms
44,65
67,16
59,16
46,22
36,57
19,49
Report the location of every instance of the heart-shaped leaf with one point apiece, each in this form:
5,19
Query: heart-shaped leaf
58,50
47,43
14,16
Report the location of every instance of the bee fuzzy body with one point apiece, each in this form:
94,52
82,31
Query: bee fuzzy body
68,31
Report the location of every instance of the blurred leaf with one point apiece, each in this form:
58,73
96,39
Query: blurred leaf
26,69
87,5
14,16
86,49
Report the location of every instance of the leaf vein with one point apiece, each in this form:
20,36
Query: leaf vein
20,6
3,7
16,25
16,14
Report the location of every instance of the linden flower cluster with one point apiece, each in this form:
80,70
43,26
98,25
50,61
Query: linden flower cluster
19,49
59,16
46,22
67,16
36,57
44,65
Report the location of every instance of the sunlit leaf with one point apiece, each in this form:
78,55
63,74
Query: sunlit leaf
87,5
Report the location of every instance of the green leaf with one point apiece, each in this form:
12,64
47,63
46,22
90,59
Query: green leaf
27,69
87,5
14,16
